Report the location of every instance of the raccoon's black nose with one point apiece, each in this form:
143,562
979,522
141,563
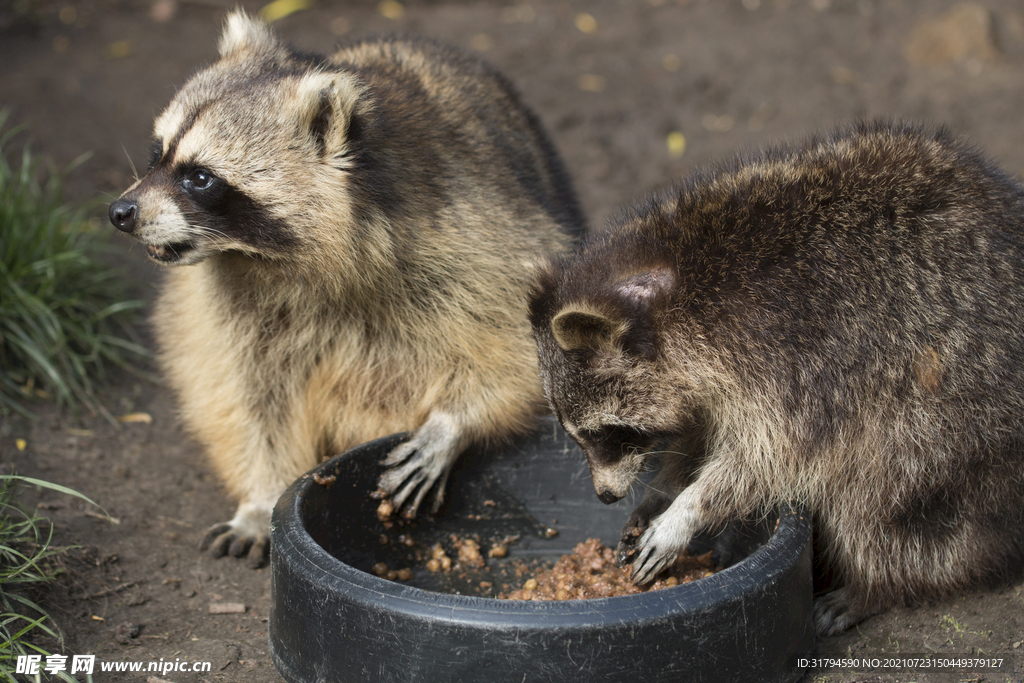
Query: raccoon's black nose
123,213
607,497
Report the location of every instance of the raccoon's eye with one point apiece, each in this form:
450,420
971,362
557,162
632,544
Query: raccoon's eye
619,436
615,434
199,180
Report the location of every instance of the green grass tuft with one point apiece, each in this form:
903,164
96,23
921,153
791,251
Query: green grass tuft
64,315
26,555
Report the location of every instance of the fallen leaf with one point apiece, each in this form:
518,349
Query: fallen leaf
136,417
121,48
592,83
392,9
671,63
279,9
586,23
676,143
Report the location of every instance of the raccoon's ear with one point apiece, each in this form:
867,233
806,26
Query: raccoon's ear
641,297
630,329
645,288
326,105
243,33
578,328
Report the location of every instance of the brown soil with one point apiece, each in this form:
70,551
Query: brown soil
623,85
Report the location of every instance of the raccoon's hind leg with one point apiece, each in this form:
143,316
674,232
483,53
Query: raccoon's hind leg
837,611
423,462
247,535
257,473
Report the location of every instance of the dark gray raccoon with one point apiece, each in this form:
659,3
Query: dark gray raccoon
353,239
837,323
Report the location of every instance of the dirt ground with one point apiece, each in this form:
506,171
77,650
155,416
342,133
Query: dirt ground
634,93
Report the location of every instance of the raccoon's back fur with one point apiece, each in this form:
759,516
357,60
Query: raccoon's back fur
356,236
837,323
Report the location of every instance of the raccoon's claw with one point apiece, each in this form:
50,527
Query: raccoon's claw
626,552
414,479
216,539
656,549
398,455
649,562
834,613
247,535
223,539
638,522
422,464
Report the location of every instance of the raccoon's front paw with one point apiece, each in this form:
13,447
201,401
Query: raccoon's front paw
247,535
415,470
656,550
638,522
420,465
835,612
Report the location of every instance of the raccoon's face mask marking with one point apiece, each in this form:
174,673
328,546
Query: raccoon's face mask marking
616,454
244,150
598,354
184,214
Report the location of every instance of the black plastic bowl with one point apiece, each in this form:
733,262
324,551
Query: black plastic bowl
333,620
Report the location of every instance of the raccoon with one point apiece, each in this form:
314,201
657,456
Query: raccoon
836,323
352,241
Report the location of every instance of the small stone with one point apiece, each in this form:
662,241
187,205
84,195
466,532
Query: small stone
227,608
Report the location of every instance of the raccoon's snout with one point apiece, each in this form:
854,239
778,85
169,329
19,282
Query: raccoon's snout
607,497
123,213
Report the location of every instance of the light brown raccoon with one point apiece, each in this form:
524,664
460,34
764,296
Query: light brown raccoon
353,240
837,324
